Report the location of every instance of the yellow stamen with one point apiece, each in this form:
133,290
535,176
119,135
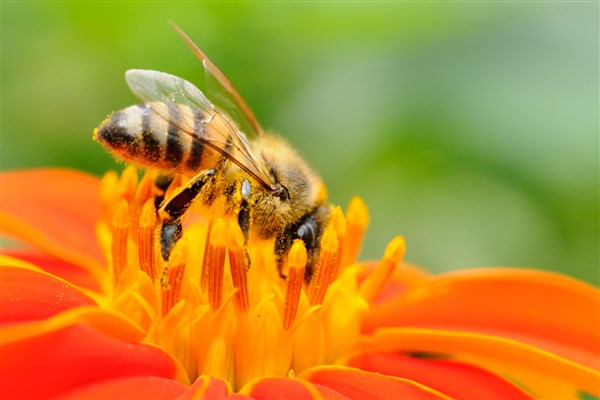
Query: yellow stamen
128,183
173,278
267,326
328,259
394,253
357,219
146,241
108,186
339,224
118,247
238,264
296,265
321,192
214,263
145,190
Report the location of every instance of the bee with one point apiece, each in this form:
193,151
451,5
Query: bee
178,130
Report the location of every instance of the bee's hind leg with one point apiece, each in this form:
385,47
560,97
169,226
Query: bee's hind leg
174,207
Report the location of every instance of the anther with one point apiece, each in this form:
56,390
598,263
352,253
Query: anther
142,193
394,253
175,271
128,183
239,267
118,246
146,240
108,185
145,189
339,224
214,263
328,259
296,265
357,219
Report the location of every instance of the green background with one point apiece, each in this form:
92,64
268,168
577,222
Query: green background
470,128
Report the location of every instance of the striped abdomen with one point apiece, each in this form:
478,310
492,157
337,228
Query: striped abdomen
164,136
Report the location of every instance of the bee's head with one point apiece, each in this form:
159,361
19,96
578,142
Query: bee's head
294,190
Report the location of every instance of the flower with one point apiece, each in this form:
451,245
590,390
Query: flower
88,309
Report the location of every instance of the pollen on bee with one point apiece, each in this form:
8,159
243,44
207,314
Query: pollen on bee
393,255
296,266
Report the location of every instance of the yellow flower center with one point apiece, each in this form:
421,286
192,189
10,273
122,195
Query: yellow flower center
220,305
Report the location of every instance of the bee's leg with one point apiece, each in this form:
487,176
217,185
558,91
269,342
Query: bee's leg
170,233
237,197
309,229
244,214
173,208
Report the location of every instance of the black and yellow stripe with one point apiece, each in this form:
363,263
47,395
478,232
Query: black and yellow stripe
170,137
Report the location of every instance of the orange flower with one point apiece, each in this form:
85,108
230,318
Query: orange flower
88,309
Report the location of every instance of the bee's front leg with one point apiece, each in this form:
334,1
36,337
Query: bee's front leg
174,207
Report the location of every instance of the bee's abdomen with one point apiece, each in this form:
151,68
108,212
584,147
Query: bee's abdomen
169,137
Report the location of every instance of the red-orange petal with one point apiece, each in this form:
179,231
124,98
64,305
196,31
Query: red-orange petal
553,312
209,388
136,387
54,209
534,368
70,272
57,361
453,378
278,388
356,384
30,295
328,393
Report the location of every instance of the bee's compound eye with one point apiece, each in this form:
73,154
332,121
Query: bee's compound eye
280,191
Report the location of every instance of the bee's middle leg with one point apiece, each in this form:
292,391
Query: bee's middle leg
244,209
174,207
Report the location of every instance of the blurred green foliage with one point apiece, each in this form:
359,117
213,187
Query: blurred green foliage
471,129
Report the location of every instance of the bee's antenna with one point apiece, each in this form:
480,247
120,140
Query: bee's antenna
221,78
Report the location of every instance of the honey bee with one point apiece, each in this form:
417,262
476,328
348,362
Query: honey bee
178,130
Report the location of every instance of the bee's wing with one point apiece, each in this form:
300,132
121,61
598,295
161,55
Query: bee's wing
223,93
155,86
166,88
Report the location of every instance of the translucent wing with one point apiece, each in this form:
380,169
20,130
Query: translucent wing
159,87
223,93
166,88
